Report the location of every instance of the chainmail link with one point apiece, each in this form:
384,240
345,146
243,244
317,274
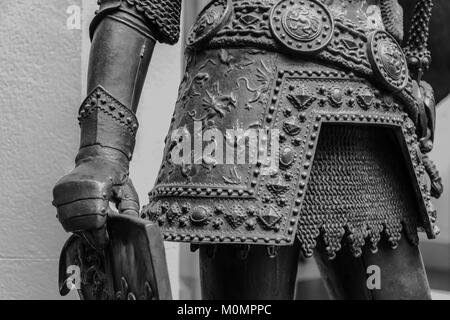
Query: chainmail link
358,190
416,50
392,18
162,15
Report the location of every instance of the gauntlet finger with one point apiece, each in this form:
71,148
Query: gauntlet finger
83,215
128,199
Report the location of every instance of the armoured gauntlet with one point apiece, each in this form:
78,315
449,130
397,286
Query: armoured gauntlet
123,37
101,175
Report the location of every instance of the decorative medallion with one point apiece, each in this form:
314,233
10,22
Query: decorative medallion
350,44
301,100
278,188
236,216
200,215
209,21
249,19
154,210
366,98
291,127
287,157
270,217
173,213
304,26
336,97
389,101
388,60
251,224
218,223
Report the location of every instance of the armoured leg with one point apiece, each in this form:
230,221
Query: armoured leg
248,272
402,273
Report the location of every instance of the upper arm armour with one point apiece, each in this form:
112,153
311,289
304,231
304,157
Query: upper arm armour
162,17
392,14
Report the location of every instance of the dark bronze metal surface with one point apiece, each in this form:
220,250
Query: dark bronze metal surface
210,20
138,260
359,191
289,18
388,60
161,18
402,273
355,121
292,96
132,267
240,272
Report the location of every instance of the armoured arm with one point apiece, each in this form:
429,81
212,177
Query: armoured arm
124,33
419,60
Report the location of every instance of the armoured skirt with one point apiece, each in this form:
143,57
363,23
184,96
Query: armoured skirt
293,123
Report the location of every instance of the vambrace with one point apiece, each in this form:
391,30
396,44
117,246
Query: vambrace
106,122
161,18
121,52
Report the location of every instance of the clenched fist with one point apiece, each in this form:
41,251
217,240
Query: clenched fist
83,197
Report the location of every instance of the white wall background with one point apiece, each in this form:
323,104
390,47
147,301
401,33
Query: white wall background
39,90
436,252
441,156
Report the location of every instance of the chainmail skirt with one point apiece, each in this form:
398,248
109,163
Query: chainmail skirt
359,191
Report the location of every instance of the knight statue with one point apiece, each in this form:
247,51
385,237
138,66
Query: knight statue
301,127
